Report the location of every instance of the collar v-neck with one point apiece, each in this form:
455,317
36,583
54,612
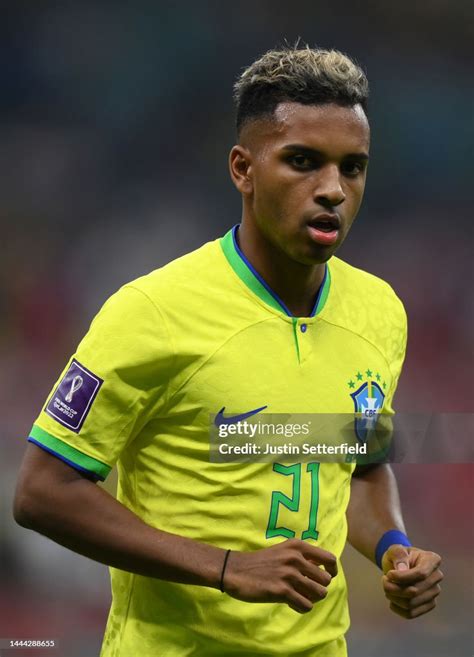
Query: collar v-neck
252,279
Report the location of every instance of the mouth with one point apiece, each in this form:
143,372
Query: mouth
324,228
325,222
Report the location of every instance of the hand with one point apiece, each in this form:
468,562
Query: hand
411,580
289,572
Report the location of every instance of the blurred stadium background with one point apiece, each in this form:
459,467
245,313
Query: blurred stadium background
116,121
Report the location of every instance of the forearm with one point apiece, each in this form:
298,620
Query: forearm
374,508
55,500
79,515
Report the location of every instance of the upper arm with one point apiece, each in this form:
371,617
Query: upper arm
117,379
38,464
361,470
41,475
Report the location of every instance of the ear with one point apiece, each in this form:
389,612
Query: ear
240,166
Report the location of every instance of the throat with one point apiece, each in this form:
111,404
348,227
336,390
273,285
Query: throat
294,285
300,300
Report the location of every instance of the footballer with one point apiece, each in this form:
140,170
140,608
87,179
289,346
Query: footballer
221,559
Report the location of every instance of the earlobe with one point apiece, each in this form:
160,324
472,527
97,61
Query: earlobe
241,169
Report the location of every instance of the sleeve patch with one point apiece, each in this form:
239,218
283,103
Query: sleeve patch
72,400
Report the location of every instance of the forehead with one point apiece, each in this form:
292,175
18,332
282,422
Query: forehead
322,127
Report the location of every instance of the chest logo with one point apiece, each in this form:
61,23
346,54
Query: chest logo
368,398
233,419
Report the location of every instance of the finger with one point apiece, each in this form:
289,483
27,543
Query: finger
320,557
298,602
418,601
398,556
410,591
309,589
426,597
425,564
315,573
407,577
413,613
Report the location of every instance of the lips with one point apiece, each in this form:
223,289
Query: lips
324,228
325,222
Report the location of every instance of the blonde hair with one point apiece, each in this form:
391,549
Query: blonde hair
302,75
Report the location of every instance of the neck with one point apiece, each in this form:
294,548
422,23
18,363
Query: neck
295,283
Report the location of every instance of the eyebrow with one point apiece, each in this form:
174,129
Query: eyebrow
306,150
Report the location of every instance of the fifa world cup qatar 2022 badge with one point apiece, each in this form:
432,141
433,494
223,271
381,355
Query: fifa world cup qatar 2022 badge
72,399
368,396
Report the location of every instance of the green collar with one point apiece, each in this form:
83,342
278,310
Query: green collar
252,279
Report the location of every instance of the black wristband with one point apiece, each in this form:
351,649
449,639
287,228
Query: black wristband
221,585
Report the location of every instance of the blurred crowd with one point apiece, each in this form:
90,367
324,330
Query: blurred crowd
116,121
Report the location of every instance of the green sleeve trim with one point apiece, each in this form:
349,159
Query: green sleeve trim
69,454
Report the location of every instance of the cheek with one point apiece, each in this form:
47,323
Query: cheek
278,194
354,196
283,201
270,189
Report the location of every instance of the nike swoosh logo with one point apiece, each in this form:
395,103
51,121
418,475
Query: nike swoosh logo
220,419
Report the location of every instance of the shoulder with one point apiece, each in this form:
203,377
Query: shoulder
141,301
184,278
358,288
191,300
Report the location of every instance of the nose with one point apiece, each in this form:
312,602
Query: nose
328,190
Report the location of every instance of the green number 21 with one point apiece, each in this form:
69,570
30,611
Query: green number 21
293,503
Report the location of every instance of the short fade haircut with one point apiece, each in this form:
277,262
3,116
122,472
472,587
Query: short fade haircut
301,75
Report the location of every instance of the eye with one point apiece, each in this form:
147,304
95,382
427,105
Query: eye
300,161
353,167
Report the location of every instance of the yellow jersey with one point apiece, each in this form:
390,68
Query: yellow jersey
168,352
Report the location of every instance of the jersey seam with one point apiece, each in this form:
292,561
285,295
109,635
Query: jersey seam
168,332
132,583
213,353
396,377
387,287
362,337
129,602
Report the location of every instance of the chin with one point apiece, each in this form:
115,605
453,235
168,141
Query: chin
317,255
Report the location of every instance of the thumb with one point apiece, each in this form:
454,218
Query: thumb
399,557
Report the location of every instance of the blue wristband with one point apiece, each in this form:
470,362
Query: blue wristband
392,537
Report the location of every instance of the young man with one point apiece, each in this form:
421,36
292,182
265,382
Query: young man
265,318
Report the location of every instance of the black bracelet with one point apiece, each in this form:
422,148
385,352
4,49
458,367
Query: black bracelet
221,585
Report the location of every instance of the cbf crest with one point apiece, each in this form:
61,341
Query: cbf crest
368,398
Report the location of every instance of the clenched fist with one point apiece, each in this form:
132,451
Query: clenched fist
411,580
293,572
